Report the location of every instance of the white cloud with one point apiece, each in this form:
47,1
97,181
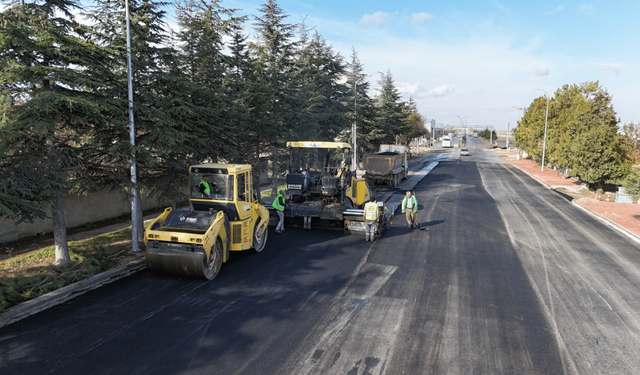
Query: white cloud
374,19
537,69
557,9
442,90
608,68
408,88
587,8
421,17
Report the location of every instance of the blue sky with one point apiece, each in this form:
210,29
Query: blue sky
478,59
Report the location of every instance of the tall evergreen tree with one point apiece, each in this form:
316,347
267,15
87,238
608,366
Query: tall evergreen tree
391,117
362,108
582,134
204,25
54,103
271,96
321,111
166,137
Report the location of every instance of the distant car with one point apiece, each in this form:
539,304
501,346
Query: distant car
464,152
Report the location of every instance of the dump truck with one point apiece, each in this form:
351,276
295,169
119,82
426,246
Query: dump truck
386,167
320,187
223,215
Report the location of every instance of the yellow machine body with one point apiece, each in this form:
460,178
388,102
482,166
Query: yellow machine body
225,216
358,192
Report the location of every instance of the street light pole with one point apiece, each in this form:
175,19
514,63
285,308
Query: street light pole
354,163
544,140
132,138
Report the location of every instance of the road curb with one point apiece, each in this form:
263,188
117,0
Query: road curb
604,220
610,223
68,292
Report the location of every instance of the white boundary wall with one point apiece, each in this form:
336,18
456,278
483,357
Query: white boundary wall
78,210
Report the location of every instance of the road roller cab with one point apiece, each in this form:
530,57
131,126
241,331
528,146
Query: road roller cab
223,215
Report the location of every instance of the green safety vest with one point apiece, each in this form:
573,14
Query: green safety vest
207,190
371,211
414,202
276,203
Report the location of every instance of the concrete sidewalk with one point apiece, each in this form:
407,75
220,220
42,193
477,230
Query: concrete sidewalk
624,217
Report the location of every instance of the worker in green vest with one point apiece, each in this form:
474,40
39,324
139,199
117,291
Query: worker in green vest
203,186
410,208
279,205
370,219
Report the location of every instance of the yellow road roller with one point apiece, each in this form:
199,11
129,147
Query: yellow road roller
223,215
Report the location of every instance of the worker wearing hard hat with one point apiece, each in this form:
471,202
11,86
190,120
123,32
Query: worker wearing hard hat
410,208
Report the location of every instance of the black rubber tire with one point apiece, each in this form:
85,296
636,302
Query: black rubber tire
213,264
260,240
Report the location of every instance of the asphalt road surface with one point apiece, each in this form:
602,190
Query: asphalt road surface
503,277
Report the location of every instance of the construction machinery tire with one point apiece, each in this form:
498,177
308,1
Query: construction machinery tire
212,265
260,234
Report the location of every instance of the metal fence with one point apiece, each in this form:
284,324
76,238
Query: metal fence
622,196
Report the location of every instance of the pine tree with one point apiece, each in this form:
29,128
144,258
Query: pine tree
320,96
54,104
390,119
582,134
586,130
271,95
362,107
203,28
168,130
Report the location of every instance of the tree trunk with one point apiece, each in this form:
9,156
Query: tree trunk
140,220
257,171
59,230
274,167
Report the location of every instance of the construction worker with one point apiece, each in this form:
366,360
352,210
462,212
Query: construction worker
370,219
279,205
203,186
410,208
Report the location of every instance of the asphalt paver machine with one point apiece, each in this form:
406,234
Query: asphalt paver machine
321,188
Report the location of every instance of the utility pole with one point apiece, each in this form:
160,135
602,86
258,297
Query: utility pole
546,118
354,163
132,138
508,123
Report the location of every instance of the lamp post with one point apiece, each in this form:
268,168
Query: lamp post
544,140
354,127
516,124
132,138
354,162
